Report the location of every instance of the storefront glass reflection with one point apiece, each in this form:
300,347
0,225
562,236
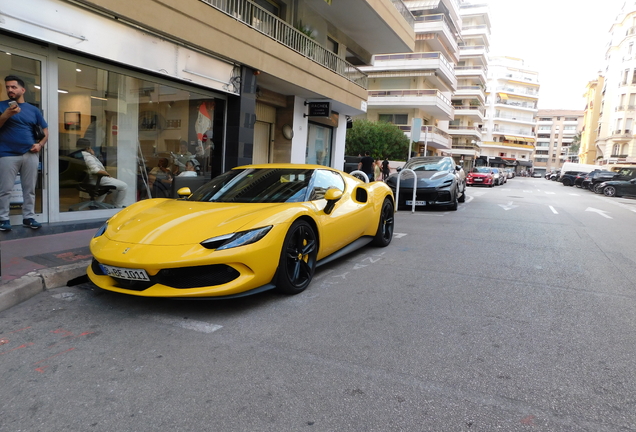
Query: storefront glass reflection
141,132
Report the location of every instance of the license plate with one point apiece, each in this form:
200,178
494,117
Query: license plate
125,273
478,179
417,203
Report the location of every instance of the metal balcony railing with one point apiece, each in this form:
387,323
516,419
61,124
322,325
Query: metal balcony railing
412,93
428,129
470,108
270,25
417,56
404,11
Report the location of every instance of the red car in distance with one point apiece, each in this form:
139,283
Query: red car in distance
480,176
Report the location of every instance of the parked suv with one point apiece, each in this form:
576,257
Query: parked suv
590,180
568,177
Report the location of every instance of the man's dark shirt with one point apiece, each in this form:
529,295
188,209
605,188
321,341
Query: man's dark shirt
367,164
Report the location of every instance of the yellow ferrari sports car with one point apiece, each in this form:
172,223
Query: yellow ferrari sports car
254,228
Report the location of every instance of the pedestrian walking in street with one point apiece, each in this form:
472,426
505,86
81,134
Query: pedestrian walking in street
19,151
385,168
366,166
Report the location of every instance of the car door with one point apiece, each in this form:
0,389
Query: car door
343,224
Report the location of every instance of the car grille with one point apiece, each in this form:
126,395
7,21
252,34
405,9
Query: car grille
431,196
180,278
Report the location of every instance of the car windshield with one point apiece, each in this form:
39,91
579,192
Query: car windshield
429,165
252,185
482,170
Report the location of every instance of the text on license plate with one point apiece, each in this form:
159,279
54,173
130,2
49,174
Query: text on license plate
125,273
478,179
417,203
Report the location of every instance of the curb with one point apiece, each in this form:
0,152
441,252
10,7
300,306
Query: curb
22,289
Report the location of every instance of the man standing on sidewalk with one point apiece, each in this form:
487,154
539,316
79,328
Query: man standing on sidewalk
19,151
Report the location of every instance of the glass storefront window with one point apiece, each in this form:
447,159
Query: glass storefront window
29,70
319,145
142,132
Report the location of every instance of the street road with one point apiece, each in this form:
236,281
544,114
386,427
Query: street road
514,313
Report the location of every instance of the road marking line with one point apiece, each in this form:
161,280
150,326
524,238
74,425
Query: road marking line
601,212
553,210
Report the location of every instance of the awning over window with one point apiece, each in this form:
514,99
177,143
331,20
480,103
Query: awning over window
503,96
524,163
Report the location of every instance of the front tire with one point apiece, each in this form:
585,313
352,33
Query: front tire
609,191
454,205
462,198
297,259
384,235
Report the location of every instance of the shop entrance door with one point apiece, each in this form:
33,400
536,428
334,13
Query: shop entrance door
27,67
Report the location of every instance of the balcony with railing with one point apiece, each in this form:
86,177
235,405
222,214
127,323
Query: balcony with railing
517,104
473,51
431,135
465,130
513,117
471,91
469,71
532,92
434,61
477,112
431,101
440,25
270,25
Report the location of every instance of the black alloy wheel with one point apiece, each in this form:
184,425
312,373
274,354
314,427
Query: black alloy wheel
384,235
567,182
609,191
298,259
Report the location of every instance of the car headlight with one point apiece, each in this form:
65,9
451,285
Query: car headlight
233,240
101,230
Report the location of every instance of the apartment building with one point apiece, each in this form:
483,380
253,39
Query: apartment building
233,82
472,73
615,143
591,117
556,131
417,87
511,107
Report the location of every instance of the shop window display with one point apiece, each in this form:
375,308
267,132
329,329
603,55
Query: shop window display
134,126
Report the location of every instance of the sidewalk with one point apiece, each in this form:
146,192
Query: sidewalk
35,260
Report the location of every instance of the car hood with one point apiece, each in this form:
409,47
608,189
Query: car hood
424,179
166,222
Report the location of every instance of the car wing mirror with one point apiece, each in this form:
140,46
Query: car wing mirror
184,192
398,169
332,196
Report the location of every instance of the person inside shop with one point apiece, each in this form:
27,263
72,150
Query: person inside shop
96,170
19,151
179,160
160,179
190,170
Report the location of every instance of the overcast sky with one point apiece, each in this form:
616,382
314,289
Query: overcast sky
564,40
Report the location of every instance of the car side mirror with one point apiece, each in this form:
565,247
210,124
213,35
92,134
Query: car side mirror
184,192
332,196
398,169
458,168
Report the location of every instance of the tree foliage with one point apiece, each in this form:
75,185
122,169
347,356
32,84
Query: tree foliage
576,144
380,139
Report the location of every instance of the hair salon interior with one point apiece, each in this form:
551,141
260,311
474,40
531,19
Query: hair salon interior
153,84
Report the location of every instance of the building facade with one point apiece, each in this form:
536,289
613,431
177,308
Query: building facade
556,132
416,88
511,107
591,120
615,142
229,83
472,73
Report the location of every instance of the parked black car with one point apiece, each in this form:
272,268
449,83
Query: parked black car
578,180
618,188
568,177
595,177
623,174
351,163
440,182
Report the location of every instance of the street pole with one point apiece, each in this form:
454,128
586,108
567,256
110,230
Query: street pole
425,139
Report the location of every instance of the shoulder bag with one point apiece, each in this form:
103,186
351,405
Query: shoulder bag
38,132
